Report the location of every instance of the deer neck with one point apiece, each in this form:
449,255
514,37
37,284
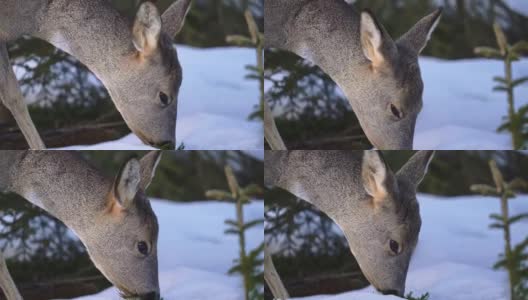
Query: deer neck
325,32
61,183
329,181
92,31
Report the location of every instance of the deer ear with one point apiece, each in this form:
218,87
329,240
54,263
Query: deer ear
375,176
415,169
149,163
126,184
174,17
418,36
147,28
375,41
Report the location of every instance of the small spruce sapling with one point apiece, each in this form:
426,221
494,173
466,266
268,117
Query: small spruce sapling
517,120
515,257
249,264
255,41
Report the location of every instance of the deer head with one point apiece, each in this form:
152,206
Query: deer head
145,85
383,236
388,96
376,209
122,242
379,76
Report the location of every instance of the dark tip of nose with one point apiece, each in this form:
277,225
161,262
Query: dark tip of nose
167,145
391,292
150,296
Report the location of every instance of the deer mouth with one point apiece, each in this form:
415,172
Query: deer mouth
126,294
391,292
142,137
165,145
383,291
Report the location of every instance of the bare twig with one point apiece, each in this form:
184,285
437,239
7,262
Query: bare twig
273,279
271,133
6,282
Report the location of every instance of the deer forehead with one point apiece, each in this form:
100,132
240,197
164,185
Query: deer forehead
153,73
128,226
407,73
407,223
403,88
385,227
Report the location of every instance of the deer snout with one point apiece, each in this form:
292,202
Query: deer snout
392,292
166,145
398,136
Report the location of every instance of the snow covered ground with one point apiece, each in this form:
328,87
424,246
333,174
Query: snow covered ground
456,251
461,112
194,254
520,6
214,103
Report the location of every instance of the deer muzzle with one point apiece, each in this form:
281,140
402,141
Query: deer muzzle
392,292
147,296
168,145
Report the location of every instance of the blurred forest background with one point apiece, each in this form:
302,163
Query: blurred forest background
316,260
47,262
69,100
314,114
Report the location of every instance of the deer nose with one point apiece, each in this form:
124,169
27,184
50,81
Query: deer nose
150,296
167,145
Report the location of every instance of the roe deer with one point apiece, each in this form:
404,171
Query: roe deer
376,209
112,217
136,61
379,76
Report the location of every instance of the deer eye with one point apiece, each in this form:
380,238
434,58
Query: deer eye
396,112
394,246
142,248
164,99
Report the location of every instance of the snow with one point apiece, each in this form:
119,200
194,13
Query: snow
520,6
461,112
194,254
455,252
214,102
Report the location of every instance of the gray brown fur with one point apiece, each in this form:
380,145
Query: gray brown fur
101,38
336,182
328,33
78,194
